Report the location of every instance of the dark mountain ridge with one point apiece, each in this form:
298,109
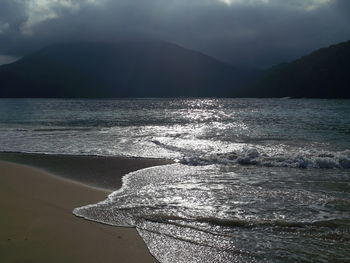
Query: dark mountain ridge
160,69
130,69
324,73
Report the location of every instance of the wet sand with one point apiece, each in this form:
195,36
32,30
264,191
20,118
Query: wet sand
37,224
99,171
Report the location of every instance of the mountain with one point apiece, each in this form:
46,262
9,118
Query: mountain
324,73
130,69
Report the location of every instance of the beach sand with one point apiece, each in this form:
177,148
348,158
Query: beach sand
101,171
37,224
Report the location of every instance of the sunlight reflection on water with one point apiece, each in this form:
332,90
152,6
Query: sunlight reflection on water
257,180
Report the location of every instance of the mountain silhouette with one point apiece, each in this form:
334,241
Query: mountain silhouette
130,69
324,73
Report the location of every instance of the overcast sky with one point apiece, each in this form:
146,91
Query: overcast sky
253,33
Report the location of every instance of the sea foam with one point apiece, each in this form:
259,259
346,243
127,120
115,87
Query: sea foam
259,157
202,214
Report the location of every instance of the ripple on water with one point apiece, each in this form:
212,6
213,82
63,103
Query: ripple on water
192,214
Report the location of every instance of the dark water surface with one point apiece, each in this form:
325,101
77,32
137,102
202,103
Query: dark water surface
256,180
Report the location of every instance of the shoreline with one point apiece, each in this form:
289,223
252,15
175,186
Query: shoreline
105,172
37,223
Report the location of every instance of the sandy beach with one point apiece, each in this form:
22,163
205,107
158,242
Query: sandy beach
37,224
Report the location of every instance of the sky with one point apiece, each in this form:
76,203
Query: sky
245,33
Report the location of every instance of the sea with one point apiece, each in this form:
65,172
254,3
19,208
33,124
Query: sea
253,180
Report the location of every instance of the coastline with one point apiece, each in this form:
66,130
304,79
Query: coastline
37,224
104,172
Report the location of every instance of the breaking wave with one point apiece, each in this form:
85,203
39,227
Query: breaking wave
259,157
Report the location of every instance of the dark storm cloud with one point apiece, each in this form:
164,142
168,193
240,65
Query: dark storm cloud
250,32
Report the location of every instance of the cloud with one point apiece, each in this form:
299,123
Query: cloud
4,27
7,59
250,32
245,2
41,10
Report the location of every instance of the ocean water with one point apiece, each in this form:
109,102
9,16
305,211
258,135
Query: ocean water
254,180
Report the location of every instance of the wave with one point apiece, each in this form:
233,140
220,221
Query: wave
331,223
62,129
259,157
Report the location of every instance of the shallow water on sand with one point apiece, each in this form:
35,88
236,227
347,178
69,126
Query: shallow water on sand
256,180
215,214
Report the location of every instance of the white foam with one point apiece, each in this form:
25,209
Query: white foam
262,157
